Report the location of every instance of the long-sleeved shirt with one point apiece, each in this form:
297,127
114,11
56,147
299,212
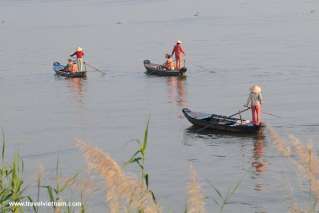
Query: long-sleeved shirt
78,54
178,50
254,99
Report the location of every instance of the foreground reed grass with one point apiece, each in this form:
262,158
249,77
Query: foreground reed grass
127,193
304,158
223,199
124,193
13,189
11,182
139,157
195,197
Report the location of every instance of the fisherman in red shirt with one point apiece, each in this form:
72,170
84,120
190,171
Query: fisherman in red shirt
79,53
179,54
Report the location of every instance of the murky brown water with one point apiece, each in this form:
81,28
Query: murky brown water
230,45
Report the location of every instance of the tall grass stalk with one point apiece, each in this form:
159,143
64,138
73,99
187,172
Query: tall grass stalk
124,193
11,182
139,158
195,198
3,147
61,185
40,172
223,199
86,186
304,158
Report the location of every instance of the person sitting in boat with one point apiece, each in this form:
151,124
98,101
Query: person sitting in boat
169,64
71,66
255,102
79,53
179,54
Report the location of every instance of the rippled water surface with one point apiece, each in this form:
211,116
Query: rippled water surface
229,45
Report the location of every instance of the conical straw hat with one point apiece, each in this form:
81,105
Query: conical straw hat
255,89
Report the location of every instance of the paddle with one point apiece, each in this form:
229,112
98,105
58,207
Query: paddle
241,111
244,110
96,69
268,113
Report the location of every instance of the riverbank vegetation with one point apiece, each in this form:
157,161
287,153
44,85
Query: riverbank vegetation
130,193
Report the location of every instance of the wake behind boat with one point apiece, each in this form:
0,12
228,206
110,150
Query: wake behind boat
221,123
159,70
59,70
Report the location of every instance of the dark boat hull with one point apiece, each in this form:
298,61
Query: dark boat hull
59,70
159,70
221,123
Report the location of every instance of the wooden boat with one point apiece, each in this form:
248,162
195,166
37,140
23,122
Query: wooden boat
59,70
221,123
159,70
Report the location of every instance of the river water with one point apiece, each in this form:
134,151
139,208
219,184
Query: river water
229,45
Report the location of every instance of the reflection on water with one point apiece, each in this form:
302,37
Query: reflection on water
232,50
258,157
176,91
245,151
77,86
258,162
216,138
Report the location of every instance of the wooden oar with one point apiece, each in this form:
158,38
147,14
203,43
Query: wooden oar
244,110
96,69
241,111
268,113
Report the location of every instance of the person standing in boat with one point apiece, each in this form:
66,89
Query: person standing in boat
255,102
79,53
169,64
179,54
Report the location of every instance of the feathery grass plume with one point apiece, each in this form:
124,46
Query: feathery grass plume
306,155
65,182
304,159
195,198
295,208
39,174
279,142
86,186
61,184
124,193
308,163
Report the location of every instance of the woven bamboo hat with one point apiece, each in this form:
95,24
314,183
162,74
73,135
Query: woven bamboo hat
255,89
